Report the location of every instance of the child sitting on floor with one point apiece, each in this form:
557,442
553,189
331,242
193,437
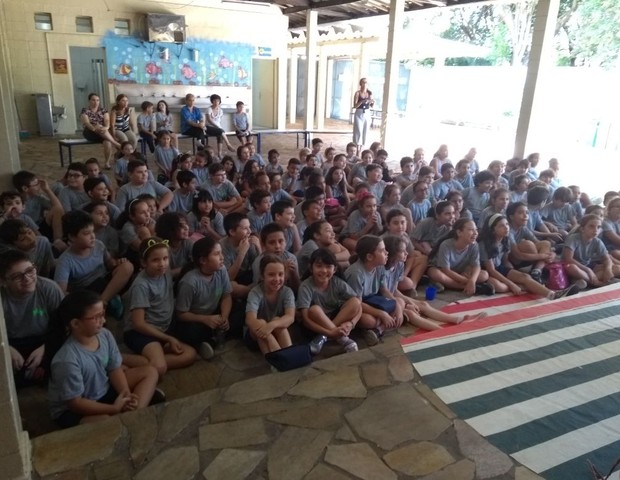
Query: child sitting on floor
87,381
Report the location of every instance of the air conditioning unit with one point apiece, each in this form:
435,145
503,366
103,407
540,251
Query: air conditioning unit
165,28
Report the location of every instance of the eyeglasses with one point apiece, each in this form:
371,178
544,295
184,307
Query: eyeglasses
99,316
29,273
74,175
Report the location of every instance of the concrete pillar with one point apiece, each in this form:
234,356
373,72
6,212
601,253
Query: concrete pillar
292,87
389,114
329,91
530,127
312,35
15,445
321,90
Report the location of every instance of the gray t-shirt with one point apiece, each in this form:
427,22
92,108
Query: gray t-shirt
364,282
181,256
79,272
613,227
258,221
394,275
303,256
200,294
73,199
42,256
522,233
35,207
502,249
220,193
29,316
585,253
458,261
230,254
330,300
128,192
266,310
77,372
286,256
475,201
560,217
357,222
155,296
181,202
109,237
217,223
419,211
428,230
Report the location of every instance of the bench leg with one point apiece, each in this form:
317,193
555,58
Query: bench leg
62,159
258,142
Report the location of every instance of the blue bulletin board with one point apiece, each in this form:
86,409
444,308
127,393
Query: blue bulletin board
195,62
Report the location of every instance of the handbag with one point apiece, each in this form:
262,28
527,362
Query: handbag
289,358
380,302
557,278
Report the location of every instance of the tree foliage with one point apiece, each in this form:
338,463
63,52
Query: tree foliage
587,31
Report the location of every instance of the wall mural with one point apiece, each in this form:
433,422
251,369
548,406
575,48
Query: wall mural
195,62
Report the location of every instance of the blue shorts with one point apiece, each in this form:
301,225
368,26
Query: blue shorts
504,270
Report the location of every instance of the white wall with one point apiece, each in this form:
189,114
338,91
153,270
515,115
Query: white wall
31,50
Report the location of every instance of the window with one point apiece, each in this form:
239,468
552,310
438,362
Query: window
84,24
43,21
121,26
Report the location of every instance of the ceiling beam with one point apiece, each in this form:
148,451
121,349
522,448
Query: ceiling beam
317,5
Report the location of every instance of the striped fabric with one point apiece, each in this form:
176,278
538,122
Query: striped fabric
541,383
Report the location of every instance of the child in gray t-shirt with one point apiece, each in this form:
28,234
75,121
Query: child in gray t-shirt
86,376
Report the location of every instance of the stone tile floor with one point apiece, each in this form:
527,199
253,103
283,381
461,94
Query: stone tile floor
362,415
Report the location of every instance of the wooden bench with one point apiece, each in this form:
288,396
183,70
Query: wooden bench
259,136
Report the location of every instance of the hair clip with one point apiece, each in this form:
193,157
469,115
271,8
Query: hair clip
494,217
363,194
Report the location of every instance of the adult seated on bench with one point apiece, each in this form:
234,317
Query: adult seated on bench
96,121
192,120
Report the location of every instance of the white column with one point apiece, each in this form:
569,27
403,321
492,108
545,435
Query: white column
329,91
292,87
389,134
531,123
321,90
312,34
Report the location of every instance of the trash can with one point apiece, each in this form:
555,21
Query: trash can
44,114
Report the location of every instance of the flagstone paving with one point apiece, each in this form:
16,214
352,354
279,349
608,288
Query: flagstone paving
362,415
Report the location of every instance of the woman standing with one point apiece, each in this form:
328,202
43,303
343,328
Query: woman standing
96,121
123,122
362,101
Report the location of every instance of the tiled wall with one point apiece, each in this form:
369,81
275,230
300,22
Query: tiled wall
31,50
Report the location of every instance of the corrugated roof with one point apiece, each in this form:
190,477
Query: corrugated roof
330,11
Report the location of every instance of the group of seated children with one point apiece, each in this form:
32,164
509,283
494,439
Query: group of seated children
242,247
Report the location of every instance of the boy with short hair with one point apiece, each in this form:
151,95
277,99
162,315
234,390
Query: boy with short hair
260,215
86,264
442,186
73,196
351,156
242,124
97,190
13,207
183,197
273,162
273,242
376,185
312,212
42,205
226,198
559,213
463,174
146,125
239,249
476,199
17,235
139,184
381,159
406,176
547,177
28,301
317,146
283,214
93,170
290,180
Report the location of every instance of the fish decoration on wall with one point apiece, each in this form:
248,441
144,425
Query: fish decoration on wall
195,62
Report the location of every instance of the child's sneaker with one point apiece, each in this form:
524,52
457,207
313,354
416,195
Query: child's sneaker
484,289
115,307
372,337
581,284
536,274
205,350
158,397
348,344
572,290
438,286
316,344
